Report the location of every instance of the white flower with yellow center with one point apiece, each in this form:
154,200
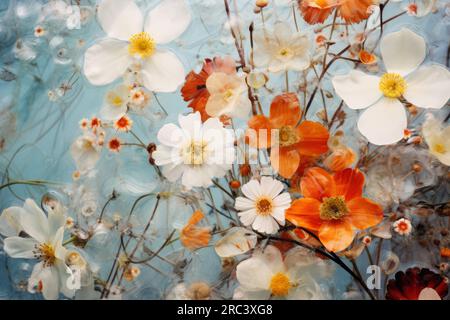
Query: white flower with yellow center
130,38
281,50
228,96
266,275
437,138
263,206
50,275
427,86
85,152
196,152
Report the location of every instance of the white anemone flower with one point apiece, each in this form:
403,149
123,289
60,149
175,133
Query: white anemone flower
196,152
50,276
129,38
263,207
282,50
438,139
228,96
85,152
427,86
116,103
266,275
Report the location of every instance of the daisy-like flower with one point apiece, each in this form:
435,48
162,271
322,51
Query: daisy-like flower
228,96
385,120
195,90
124,123
402,226
114,145
50,275
307,139
333,207
194,151
352,11
129,38
417,284
39,31
282,50
438,139
266,275
263,205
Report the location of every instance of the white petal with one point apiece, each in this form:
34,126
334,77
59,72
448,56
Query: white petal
106,61
17,247
247,217
429,87
49,278
244,204
163,72
283,200
190,124
10,222
168,20
279,215
265,224
357,89
34,221
120,19
270,187
383,123
173,173
170,135
166,155
237,241
252,189
253,274
402,51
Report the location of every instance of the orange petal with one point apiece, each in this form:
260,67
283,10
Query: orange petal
192,236
284,161
349,183
367,57
313,138
259,133
317,183
336,235
316,11
340,159
285,110
364,213
305,213
354,11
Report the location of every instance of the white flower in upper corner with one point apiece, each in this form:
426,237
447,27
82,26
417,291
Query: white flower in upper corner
402,226
85,152
50,275
265,275
437,138
427,86
129,38
263,207
282,50
196,152
228,95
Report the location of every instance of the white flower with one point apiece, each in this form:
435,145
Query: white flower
228,95
402,226
266,275
116,103
437,138
237,241
282,50
85,152
263,207
385,120
195,151
129,37
50,275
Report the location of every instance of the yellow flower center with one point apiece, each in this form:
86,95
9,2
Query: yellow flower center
285,52
392,85
228,95
439,148
287,136
141,44
116,101
195,153
46,253
280,284
264,206
333,208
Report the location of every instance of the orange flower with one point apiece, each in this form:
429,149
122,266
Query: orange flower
445,252
367,58
194,88
340,159
307,139
124,123
192,236
114,144
352,11
334,207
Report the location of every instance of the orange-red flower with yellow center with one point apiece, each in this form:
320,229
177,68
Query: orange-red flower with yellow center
333,207
307,139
